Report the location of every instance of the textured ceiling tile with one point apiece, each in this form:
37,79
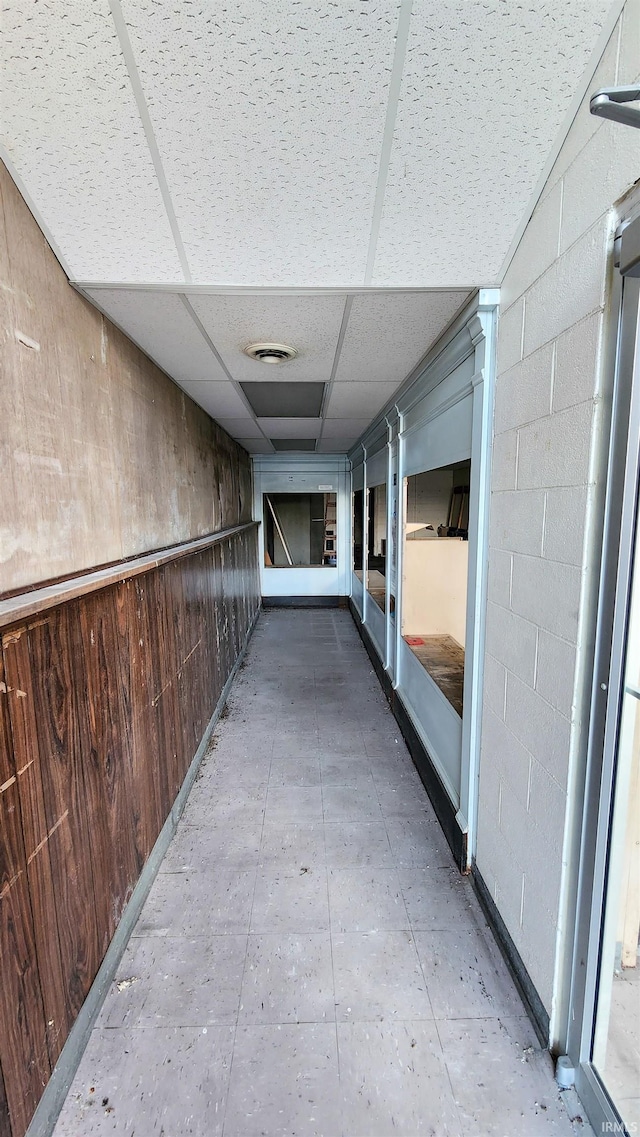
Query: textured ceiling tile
72,130
217,398
160,324
240,427
309,323
340,428
485,89
256,445
388,334
270,119
290,427
348,399
336,445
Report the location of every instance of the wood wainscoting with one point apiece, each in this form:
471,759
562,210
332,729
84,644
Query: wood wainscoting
104,699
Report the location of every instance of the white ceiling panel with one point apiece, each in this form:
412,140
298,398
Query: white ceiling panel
290,427
273,116
388,333
340,428
350,399
71,128
241,427
256,445
486,87
160,324
217,398
336,445
309,323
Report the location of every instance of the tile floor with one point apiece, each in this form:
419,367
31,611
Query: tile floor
309,961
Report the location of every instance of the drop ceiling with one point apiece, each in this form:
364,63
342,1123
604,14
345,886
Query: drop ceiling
338,176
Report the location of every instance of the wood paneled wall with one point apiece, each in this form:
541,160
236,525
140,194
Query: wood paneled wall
103,703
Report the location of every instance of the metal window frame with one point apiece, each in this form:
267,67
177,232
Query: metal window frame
621,502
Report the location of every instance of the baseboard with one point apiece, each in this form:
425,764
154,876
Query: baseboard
304,601
443,806
52,1100
530,997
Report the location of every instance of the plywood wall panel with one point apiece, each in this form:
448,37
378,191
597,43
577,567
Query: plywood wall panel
146,763
5,1123
56,684
24,1052
39,872
106,742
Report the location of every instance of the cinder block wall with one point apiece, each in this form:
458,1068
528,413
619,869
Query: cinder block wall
547,463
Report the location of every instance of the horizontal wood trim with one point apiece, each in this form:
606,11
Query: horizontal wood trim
22,607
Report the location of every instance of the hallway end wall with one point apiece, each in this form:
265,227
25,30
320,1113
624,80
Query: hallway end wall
551,408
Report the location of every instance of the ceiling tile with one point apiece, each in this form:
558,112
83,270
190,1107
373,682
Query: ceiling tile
349,399
340,428
335,445
388,333
485,90
309,323
218,398
241,427
280,400
72,130
249,103
160,324
290,427
256,445
280,444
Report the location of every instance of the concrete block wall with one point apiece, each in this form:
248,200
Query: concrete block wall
551,392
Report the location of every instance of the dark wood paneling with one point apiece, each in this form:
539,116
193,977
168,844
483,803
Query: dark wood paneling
102,633
107,699
5,1124
41,880
56,684
24,1055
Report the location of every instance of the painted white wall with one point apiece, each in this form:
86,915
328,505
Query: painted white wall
434,588
547,463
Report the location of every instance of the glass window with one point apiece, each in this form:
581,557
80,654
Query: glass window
377,544
616,1047
357,528
300,530
435,566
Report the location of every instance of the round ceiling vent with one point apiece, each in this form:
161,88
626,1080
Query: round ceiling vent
270,352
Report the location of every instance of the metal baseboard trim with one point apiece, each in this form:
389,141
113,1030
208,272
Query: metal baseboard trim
50,1104
304,601
444,808
530,997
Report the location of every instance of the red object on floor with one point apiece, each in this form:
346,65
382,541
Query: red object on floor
414,641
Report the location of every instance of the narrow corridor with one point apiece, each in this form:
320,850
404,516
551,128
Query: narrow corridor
309,961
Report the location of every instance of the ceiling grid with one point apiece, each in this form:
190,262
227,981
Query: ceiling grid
143,111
